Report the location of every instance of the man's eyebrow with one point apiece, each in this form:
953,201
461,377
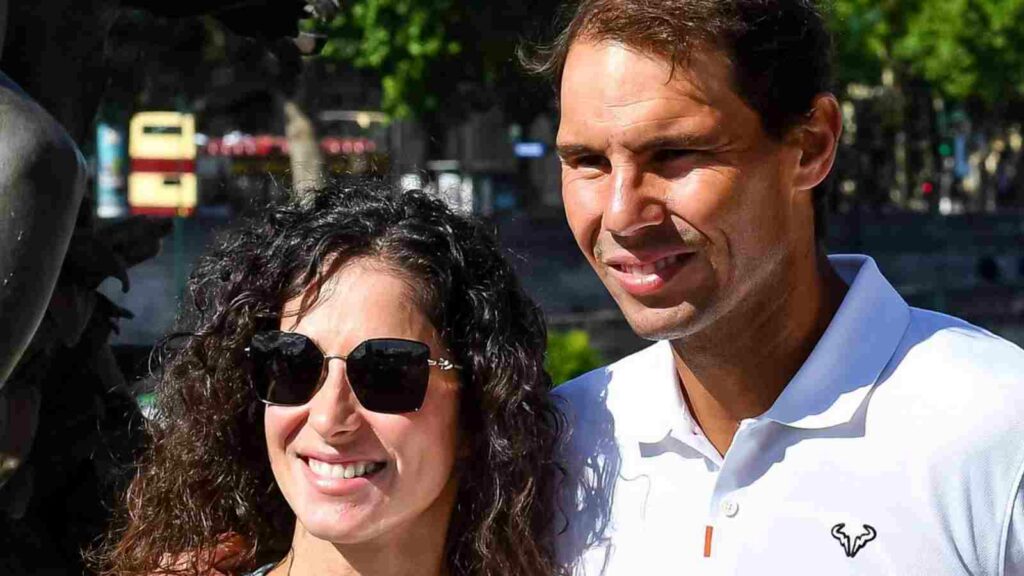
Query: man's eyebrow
572,150
669,142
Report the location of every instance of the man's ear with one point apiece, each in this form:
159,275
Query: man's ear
818,139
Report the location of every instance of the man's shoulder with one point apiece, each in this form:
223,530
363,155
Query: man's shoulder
951,348
960,384
594,386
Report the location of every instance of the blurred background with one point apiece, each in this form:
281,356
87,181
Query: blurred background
192,115
201,125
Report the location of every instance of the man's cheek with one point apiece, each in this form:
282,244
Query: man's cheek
585,226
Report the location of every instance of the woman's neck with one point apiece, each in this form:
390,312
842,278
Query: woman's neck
326,559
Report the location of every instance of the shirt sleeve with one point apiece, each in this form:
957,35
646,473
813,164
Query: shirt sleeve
1013,565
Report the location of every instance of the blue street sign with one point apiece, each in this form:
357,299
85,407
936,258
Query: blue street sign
529,149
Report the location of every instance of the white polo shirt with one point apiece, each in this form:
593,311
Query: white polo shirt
898,448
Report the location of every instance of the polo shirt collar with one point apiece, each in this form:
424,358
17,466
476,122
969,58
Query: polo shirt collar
827,390
849,358
646,387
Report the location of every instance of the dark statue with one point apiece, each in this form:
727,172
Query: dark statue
69,428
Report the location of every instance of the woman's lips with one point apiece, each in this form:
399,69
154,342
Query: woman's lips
347,471
650,277
341,479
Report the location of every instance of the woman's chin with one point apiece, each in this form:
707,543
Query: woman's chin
350,526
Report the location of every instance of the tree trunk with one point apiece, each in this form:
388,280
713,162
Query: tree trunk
306,161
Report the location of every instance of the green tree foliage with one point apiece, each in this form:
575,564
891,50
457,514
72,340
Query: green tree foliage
429,52
864,31
966,49
569,355
400,40
422,49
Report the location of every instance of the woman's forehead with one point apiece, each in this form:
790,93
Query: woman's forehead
360,300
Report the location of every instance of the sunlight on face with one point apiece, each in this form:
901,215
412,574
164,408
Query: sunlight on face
672,189
310,445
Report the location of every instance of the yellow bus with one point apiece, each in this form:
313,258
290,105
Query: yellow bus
162,150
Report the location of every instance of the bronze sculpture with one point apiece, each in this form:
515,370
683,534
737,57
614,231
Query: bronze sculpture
69,427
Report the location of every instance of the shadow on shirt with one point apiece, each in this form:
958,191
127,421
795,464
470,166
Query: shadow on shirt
592,464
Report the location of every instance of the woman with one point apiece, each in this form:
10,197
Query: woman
363,392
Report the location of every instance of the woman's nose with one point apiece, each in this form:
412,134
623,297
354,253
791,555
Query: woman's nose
334,409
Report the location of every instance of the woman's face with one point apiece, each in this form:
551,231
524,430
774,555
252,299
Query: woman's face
411,486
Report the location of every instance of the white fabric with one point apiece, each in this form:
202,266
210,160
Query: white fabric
902,420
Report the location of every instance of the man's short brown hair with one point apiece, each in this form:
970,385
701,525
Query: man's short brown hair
780,50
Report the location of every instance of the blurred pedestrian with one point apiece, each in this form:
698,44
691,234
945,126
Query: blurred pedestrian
795,415
362,392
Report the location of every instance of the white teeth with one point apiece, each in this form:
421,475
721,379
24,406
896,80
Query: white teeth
341,470
648,269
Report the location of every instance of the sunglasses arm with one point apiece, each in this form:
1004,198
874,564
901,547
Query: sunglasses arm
443,364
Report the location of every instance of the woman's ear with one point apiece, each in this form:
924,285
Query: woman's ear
817,137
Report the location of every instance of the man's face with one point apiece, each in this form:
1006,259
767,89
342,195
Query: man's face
676,195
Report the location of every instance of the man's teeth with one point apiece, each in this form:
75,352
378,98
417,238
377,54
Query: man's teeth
346,471
648,269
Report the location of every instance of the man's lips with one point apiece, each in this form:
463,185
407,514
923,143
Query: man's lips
618,256
642,276
643,266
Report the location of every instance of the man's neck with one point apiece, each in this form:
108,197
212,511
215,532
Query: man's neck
737,368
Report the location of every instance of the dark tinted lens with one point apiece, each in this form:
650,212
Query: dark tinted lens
390,375
286,367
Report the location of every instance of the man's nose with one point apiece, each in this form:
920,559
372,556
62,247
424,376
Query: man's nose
334,410
631,206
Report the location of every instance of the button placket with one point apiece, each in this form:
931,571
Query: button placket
730,508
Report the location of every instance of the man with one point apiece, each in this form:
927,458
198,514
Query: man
795,415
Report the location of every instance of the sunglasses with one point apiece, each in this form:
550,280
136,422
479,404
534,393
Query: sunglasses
387,375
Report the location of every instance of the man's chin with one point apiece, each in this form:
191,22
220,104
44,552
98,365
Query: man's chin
661,323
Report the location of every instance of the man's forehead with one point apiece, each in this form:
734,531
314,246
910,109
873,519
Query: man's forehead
609,85
618,75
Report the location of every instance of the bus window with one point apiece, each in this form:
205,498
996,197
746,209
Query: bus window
175,130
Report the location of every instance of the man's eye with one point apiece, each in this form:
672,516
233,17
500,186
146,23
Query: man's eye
672,154
591,161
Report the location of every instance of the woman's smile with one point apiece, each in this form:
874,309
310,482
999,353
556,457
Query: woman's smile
343,479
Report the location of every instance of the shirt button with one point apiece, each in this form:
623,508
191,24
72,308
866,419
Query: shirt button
730,508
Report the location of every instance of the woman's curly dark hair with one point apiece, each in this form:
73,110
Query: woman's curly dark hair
207,474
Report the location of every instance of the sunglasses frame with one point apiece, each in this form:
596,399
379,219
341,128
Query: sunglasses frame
441,363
